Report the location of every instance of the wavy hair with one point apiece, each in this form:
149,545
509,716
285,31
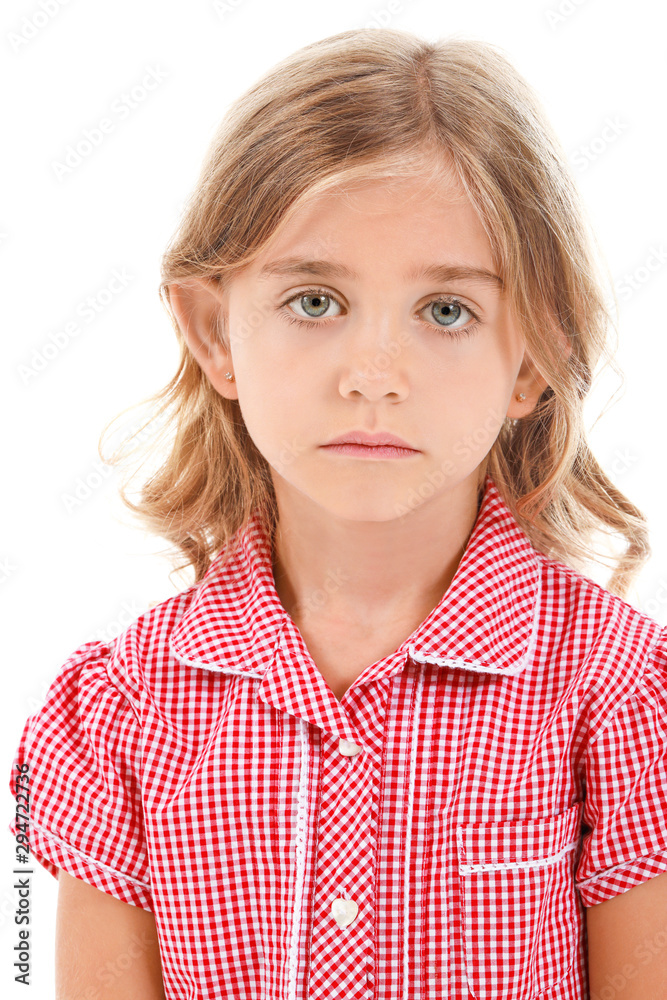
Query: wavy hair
379,103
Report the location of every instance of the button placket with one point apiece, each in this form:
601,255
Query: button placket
343,917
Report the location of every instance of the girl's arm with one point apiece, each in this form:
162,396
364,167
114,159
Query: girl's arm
105,949
627,943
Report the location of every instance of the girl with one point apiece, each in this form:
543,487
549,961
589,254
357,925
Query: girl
392,742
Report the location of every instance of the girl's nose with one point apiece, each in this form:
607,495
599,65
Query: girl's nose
375,375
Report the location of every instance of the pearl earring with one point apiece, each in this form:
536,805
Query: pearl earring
520,396
230,376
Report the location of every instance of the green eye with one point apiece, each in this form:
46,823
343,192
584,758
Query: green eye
316,301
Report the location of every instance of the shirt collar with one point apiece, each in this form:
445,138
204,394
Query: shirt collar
486,622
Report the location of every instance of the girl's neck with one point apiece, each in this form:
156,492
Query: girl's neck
370,573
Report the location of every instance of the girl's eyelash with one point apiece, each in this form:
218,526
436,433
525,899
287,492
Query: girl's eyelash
453,332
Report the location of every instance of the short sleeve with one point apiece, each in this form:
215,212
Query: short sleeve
82,749
626,790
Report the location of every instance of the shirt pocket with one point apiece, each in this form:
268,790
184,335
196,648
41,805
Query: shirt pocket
520,910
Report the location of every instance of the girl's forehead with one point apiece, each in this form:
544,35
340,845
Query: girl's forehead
414,194
347,217
425,183
421,196
320,217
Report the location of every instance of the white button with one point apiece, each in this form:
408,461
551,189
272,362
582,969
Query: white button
348,748
344,911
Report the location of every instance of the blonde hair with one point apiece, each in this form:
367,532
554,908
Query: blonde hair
376,103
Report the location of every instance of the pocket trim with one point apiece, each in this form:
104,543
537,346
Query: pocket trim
487,866
519,843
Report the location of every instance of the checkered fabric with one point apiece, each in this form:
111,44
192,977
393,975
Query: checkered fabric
435,834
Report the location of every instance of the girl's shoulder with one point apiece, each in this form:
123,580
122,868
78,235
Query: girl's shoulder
141,650
224,622
572,603
583,591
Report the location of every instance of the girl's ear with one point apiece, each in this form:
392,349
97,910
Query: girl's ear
199,307
530,382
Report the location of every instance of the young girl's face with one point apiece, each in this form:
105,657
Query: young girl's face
359,342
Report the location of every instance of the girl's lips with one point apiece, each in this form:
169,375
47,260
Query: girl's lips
371,451
379,439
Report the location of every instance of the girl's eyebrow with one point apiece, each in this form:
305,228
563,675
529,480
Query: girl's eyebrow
336,269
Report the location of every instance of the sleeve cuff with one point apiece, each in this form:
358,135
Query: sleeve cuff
53,853
614,881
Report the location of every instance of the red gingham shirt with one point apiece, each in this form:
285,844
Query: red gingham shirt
470,794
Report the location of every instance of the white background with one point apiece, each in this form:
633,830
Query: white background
68,575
